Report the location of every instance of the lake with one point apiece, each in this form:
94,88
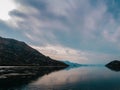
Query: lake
80,78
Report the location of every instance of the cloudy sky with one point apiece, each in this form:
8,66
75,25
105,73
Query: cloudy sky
84,31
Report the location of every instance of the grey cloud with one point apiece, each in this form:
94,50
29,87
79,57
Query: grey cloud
17,13
40,4
77,24
83,26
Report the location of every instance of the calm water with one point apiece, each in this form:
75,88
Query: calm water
82,78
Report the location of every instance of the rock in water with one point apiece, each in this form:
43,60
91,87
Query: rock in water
114,65
17,53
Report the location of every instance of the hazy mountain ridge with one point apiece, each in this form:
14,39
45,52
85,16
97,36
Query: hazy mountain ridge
72,64
13,52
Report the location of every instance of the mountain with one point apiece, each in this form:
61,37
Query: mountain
114,65
71,64
17,53
77,65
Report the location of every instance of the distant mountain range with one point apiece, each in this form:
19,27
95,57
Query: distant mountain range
76,65
17,53
72,64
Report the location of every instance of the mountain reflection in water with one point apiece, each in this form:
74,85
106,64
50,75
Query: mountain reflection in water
59,78
16,78
82,78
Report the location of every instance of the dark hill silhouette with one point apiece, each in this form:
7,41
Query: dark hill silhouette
114,65
17,53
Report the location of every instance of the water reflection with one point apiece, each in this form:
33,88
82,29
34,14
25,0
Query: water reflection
16,78
53,78
114,68
82,78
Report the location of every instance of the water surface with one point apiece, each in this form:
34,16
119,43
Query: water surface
82,78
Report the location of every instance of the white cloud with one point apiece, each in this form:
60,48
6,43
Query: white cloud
65,21
61,53
79,15
84,57
111,31
5,7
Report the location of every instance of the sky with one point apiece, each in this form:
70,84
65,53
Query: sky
82,31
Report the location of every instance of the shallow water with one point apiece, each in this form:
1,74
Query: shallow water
82,78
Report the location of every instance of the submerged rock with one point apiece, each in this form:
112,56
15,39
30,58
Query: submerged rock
17,53
114,65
